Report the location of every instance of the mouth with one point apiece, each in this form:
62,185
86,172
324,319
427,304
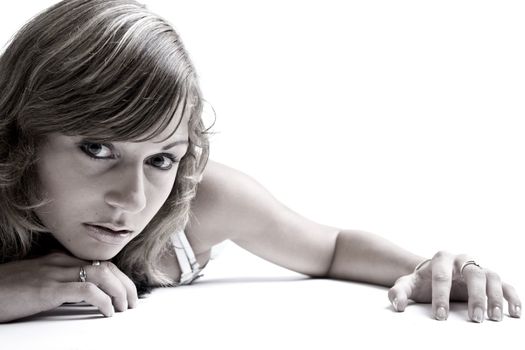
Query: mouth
108,234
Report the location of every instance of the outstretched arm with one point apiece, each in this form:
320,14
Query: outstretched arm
232,205
365,257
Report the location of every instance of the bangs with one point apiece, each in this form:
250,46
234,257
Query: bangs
124,81
135,118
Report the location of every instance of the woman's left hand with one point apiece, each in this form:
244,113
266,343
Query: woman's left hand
441,279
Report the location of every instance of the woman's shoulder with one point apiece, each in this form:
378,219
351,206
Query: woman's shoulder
223,196
208,206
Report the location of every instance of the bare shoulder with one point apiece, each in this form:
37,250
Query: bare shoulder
232,205
216,204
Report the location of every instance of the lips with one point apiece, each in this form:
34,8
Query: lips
111,228
114,235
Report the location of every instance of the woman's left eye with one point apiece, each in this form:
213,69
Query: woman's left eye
162,161
97,150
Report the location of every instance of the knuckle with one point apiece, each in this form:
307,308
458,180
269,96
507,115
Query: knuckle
493,277
477,273
509,288
510,294
461,258
133,289
88,288
104,270
109,265
441,254
440,277
495,294
109,268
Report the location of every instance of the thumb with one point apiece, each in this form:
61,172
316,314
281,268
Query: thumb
400,293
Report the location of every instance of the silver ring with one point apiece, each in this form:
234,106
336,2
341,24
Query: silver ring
95,263
465,264
82,274
420,265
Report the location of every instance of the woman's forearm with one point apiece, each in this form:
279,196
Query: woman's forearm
365,257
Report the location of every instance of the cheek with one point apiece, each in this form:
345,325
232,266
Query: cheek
158,187
61,207
160,192
64,189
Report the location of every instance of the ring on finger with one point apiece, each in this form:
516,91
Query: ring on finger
465,264
82,274
420,265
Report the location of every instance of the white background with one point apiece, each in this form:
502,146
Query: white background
403,118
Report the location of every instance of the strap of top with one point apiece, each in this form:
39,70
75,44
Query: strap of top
189,266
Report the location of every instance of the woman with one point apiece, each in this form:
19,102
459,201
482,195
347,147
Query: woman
106,184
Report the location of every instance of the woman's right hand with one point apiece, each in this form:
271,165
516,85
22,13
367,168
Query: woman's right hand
28,287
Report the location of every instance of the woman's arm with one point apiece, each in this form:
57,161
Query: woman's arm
365,257
231,205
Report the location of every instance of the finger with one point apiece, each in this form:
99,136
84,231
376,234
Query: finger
131,289
400,293
476,281
108,277
442,266
104,278
495,296
509,293
76,292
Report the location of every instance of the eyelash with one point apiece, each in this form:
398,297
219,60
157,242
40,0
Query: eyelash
84,147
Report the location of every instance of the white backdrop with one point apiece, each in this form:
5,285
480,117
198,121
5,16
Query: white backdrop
404,118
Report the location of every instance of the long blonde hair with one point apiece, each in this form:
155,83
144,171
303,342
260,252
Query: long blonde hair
105,69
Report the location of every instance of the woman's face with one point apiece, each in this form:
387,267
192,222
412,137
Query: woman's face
103,195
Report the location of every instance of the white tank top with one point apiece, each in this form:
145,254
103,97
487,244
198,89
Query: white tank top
189,267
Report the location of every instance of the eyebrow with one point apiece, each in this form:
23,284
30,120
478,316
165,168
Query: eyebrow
173,144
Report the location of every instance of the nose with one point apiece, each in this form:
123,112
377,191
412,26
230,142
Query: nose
127,191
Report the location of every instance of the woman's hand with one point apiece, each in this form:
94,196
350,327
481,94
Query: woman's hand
31,286
441,280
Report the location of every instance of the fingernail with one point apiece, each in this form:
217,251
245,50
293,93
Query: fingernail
496,314
394,302
441,313
518,311
478,315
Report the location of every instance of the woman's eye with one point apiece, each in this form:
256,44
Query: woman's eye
162,161
97,150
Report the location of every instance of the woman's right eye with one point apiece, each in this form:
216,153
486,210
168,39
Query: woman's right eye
97,150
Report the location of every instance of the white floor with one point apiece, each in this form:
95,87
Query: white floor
245,302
